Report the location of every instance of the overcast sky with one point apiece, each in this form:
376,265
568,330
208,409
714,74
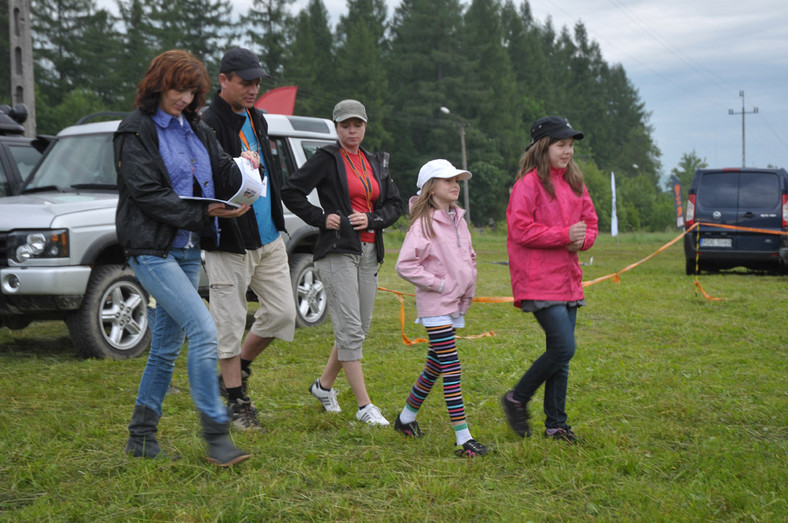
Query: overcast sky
688,59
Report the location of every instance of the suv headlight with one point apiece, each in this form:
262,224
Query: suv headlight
27,245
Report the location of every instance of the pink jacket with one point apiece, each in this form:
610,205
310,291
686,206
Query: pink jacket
448,255
540,266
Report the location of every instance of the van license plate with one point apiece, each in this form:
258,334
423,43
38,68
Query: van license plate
716,242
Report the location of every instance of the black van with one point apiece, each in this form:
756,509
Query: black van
744,197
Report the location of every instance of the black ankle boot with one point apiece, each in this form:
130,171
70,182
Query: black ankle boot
142,434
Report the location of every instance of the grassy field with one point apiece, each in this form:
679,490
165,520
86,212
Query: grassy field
681,402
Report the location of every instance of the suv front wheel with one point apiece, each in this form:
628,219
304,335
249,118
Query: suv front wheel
310,294
113,319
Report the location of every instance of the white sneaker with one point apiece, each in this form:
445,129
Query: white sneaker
327,397
371,416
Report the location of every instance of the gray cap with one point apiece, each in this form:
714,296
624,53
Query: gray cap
347,109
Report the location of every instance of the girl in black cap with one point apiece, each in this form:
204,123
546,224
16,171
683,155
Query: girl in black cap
550,217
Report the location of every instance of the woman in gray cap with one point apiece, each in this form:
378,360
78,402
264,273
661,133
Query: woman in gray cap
358,199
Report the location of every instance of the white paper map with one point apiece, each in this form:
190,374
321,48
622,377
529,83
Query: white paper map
252,186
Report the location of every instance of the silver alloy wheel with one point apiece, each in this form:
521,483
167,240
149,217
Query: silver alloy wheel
124,315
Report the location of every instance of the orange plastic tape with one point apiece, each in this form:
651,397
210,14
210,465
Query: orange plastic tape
408,341
616,277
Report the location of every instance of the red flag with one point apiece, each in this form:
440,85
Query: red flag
278,101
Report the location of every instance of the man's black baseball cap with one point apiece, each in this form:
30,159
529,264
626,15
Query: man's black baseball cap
242,62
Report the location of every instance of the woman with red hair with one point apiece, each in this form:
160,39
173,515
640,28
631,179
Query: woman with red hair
163,153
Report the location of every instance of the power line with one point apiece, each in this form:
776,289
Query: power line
668,79
675,51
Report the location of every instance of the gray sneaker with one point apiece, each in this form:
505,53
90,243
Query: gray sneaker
243,415
327,397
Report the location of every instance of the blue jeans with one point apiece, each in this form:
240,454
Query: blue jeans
180,313
552,367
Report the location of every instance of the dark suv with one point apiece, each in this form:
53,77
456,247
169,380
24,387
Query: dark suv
18,154
743,197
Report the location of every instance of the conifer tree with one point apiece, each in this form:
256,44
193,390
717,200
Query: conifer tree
361,72
426,71
310,63
266,26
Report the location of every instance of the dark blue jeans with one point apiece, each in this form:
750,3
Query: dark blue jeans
552,367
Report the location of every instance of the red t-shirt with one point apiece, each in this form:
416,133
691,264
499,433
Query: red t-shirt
362,186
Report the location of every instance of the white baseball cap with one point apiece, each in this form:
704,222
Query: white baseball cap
439,169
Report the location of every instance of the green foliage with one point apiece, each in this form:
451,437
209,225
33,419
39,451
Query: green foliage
74,106
685,170
489,61
679,401
198,26
309,63
598,185
266,23
361,72
74,47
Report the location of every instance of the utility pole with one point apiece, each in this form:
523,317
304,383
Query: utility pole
462,124
21,50
742,113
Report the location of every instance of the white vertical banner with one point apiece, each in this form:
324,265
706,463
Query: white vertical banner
613,217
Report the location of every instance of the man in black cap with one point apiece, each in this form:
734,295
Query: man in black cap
251,253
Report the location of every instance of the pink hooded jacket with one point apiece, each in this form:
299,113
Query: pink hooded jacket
448,255
540,266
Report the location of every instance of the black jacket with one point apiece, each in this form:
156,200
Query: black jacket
149,211
238,234
326,171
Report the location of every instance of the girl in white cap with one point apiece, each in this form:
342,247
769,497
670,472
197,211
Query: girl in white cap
438,258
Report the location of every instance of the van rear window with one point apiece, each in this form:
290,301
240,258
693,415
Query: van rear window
719,190
727,190
759,191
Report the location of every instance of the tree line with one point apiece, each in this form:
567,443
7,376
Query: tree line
489,61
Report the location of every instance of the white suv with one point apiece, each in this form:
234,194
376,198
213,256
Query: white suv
60,258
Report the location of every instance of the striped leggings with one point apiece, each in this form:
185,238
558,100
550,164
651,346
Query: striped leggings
442,359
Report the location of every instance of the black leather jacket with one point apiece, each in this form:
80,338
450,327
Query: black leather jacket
326,171
238,234
149,211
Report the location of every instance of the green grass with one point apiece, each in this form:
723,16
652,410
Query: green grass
681,403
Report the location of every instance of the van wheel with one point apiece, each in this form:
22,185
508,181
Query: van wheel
113,319
689,268
309,293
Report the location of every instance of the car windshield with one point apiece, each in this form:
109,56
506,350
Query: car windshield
83,161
